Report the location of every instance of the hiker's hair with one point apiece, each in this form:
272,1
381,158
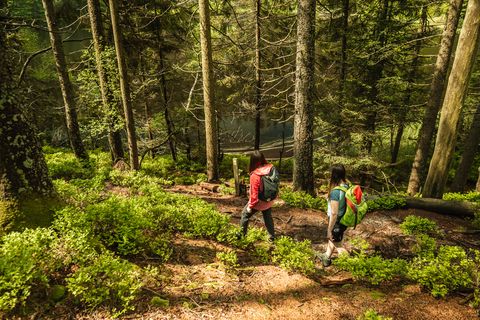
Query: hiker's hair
257,159
336,177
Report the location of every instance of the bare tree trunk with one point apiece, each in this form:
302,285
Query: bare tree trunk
65,84
304,94
452,104
208,92
469,150
478,181
124,86
343,63
166,114
410,80
23,171
374,75
435,96
258,75
114,136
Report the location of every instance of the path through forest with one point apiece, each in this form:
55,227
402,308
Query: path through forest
199,288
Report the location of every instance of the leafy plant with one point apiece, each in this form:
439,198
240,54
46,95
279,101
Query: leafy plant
418,225
373,269
302,200
27,260
107,280
228,258
371,314
66,166
471,196
388,202
446,272
294,255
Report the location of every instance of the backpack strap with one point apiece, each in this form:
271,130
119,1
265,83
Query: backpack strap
342,198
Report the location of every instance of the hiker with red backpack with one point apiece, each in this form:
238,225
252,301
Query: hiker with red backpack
264,182
346,208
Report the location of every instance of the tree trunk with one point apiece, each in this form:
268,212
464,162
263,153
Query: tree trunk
373,76
410,81
478,181
455,208
23,171
166,114
208,92
343,62
124,86
452,104
258,75
469,150
435,96
65,84
114,136
304,93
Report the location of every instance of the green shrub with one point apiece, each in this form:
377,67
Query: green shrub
107,280
302,200
66,166
294,255
472,196
373,269
26,262
418,225
371,314
228,258
426,246
448,271
388,202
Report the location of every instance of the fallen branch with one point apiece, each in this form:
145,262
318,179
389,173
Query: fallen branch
153,148
209,186
455,208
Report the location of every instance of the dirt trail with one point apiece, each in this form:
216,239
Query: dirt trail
200,288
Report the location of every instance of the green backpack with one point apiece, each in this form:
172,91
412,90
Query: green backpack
356,206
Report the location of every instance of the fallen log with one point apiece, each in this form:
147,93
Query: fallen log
455,208
209,186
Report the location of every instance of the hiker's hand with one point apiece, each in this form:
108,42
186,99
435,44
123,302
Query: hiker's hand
249,210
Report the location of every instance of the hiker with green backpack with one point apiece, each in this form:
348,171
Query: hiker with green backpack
264,185
346,208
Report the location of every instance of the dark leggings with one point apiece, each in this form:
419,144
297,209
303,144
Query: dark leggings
267,218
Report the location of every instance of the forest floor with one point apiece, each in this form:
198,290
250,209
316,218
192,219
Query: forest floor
198,287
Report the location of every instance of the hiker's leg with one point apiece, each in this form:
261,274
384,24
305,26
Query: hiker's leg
330,249
267,218
245,217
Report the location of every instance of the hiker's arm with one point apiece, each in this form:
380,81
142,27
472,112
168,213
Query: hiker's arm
333,218
254,188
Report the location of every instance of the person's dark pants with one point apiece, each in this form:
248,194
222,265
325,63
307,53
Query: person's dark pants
267,218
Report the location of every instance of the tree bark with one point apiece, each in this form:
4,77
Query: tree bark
114,136
65,83
343,62
410,81
435,96
303,178
478,181
452,104
455,208
23,171
124,86
470,148
166,113
258,75
208,92
373,76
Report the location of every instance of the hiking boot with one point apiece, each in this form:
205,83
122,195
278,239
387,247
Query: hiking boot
324,259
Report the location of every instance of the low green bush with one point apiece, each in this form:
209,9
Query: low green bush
425,246
302,200
386,202
449,270
472,196
418,225
294,255
228,258
66,166
26,264
106,280
373,269
371,314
